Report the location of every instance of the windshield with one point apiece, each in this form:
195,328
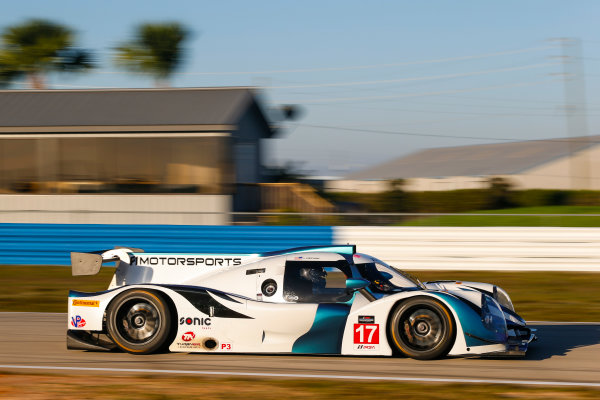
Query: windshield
385,278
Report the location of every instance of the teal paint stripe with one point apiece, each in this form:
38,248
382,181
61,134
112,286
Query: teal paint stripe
326,334
471,323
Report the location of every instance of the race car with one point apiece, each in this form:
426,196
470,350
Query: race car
309,300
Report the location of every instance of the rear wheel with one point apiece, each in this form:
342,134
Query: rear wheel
422,328
138,321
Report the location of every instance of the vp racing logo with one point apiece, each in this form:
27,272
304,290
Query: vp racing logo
77,321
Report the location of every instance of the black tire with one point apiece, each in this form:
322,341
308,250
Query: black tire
422,328
138,321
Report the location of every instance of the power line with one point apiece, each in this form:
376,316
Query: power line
438,93
558,114
473,105
422,78
559,103
340,128
357,67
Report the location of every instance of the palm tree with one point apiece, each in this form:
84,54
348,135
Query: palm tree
36,47
7,72
155,50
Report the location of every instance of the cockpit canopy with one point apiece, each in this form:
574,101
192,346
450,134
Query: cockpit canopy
383,277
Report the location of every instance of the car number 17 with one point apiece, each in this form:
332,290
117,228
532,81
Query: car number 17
366,333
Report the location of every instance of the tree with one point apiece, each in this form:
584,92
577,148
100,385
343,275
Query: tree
37,47
156,50
7,72
499,193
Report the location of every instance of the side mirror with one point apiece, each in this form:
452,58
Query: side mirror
353,284
386,275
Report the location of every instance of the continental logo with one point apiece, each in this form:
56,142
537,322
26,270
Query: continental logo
190,261
86,303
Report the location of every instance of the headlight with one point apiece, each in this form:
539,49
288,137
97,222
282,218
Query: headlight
486,316
492,316
513,319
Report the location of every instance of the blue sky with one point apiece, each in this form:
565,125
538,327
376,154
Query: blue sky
375,80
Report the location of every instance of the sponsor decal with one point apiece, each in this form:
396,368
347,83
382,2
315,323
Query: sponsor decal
366,336
188,336
187,261
204,343
225,346
86,303
366,319
190,345
366,346
77,321
195,321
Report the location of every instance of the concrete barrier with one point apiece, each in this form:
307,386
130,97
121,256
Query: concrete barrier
167,209
475,248
424,248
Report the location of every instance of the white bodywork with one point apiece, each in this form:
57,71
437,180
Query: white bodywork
263,324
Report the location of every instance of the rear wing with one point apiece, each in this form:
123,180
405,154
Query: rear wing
90,263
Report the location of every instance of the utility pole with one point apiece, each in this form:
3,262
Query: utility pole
575,112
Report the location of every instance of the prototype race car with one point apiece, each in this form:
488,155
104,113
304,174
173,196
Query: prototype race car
312,300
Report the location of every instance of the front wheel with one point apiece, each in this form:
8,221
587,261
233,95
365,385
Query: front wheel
422,328
138,321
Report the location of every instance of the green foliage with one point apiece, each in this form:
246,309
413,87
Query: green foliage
498,196
36,47
8,72
479,218
156,49
539,296
291,171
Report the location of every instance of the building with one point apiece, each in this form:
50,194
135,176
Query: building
100,150
571,163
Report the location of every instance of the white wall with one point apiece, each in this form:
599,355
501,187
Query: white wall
473,248
116,209
344,185
581,171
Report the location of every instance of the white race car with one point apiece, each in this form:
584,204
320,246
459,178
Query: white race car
311,300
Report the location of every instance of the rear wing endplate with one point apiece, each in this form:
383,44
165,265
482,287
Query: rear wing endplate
90,263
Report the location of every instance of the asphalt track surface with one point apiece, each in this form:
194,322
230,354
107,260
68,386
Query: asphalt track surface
567,354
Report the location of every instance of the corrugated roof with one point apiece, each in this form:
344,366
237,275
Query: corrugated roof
123,107
476,160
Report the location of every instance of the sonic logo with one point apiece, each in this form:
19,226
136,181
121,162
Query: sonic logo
77,321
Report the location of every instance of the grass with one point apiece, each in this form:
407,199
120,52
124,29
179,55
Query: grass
541,296
45,288
479,218
19,386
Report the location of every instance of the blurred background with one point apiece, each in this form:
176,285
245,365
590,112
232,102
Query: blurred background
306,113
